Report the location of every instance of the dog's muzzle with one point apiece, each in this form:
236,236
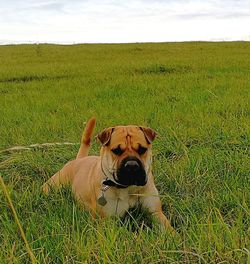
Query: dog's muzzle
131,172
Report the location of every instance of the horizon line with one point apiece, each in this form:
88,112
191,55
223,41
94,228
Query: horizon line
3,43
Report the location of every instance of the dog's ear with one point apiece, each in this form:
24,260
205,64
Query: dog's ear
149,134
105,136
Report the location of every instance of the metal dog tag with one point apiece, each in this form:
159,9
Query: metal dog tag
102,200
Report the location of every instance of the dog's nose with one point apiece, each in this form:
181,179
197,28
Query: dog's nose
132,166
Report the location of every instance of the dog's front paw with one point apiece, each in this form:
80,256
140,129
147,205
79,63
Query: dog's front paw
46,188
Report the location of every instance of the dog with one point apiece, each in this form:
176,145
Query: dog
119,178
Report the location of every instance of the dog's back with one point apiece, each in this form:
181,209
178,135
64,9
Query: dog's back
65,175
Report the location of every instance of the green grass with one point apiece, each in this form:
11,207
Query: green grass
196,95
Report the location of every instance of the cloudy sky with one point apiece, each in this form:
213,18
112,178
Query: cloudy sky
88,21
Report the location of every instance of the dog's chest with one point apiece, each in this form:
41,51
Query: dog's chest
118,203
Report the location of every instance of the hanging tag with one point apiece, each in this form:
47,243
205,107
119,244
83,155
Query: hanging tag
102,200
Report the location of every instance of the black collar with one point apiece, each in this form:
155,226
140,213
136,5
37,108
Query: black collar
109,182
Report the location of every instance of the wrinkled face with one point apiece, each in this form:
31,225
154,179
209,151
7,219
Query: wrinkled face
126,154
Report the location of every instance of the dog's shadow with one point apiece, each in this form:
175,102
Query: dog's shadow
136,219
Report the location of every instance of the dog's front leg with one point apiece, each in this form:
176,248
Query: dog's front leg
152,203
163,221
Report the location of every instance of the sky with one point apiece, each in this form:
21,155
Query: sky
112,21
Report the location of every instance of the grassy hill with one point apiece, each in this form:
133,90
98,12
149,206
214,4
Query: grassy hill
195,95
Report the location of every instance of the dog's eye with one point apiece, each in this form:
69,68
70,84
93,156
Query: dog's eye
117,151
142,150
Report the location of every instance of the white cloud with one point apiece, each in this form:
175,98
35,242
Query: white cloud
123,21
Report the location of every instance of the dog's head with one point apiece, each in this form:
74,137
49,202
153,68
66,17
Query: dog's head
126,153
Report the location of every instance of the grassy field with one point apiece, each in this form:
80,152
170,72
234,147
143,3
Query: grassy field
195,95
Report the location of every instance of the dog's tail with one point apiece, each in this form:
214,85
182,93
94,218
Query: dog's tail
86,138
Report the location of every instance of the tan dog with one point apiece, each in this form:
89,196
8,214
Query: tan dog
116,180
